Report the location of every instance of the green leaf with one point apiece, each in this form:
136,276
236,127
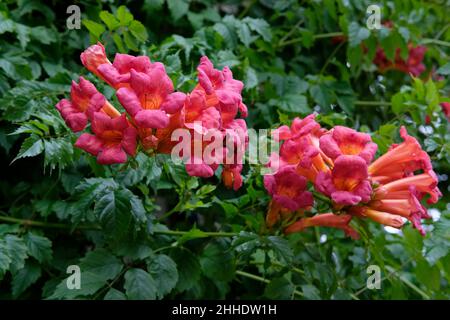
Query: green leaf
178,8
130,41
321,95
347,103
310,292
279,288
39,247
138,30
17,252
188,268
139,285
281,248
108,18
114,294
217,262
97,267
357,34
293,103
96,29
5,259
251,78
32,146
398,106
118,42
23,34
444,70
43,35
227,32
24,278
58,152
260,26
124,16
164,271
112,209
243,32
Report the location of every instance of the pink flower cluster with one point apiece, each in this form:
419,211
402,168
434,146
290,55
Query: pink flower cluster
153,111
339,164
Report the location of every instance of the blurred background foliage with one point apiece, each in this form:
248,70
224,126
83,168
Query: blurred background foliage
147,230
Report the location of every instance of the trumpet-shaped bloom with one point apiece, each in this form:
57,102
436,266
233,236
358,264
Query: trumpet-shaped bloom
221,89
325,220
401,187
301,147
231,176
93,57
112,140
345,141
401,160
85,101
212,107
400,199
347,183
288,189
145,100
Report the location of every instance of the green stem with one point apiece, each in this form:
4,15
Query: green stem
261,279
372,103
317,36
327,62
207,233
436,41
170,212
408,283
247,9
287,35
43,224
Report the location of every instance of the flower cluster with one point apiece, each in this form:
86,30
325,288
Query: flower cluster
339,164
154,110
412,65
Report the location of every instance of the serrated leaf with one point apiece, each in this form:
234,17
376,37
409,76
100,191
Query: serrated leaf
139,285
108,18
97,267
112,209
356,34
279,288
138,30
24,278
164,271
281,248
32,146
188,268
17,251
243,32
124,16
178,8
260,26
94,28
444,70
114,294
39,247
217,262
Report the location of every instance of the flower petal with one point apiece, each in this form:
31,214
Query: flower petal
152,119
89,143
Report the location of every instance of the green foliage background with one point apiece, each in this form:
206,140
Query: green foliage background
146,230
